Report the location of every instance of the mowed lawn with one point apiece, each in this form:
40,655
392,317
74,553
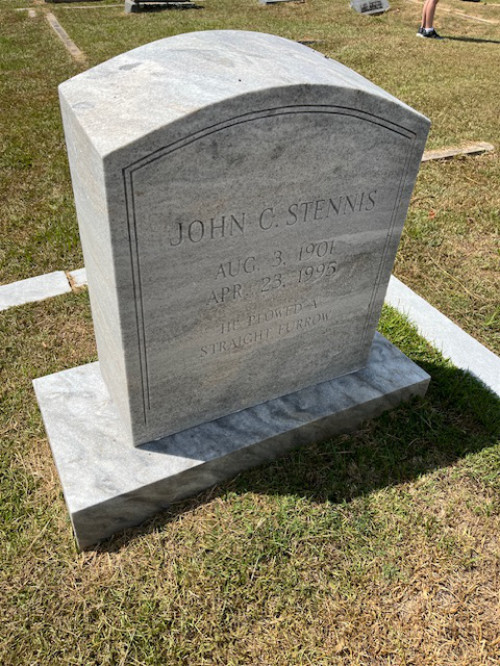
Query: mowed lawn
380,547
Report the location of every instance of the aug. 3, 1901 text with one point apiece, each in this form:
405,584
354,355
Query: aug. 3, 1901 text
266,272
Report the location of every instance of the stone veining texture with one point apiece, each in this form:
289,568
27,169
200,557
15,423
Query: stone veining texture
239,235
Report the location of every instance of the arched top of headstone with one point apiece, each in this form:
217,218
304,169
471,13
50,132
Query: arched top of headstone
140,92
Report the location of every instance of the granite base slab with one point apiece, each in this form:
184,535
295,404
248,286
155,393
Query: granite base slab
110,485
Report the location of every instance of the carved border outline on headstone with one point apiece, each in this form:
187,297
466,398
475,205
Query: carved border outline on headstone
128,172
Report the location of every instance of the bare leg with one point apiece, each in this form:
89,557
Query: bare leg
428,12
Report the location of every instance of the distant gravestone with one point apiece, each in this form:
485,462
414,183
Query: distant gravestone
136,6
240,200
370,6
275,2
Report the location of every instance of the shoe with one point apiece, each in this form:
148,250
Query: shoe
432,34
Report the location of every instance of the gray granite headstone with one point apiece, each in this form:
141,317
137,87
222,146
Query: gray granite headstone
275,2
240,200
136,6
369,7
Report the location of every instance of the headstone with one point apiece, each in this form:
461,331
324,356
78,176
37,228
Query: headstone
136,6
239,224
275,2
370,6
240,200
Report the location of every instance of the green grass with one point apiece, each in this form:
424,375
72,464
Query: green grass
37,222
379,547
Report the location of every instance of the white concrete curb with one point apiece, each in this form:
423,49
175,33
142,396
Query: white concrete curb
462,349
78,278
41,287
33,289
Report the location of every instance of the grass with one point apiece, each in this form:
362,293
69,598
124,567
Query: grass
377,548
450,248
37,223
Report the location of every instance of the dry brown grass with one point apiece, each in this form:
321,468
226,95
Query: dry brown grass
450,252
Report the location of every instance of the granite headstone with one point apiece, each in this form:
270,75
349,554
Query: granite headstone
240,200
370,7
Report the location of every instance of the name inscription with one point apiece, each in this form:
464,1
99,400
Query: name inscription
301,212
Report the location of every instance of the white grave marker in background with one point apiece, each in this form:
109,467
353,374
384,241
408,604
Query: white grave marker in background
370,6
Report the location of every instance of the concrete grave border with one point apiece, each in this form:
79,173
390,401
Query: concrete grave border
464,351
33,289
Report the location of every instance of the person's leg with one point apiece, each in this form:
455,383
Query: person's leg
427,27
428,13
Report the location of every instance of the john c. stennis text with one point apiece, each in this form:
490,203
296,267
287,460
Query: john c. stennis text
236,223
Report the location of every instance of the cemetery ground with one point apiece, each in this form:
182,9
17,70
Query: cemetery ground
379,547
